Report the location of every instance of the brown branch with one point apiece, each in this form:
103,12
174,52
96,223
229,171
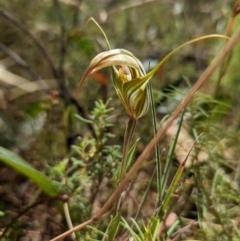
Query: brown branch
64,92
63,198
63,42
20,26
23,64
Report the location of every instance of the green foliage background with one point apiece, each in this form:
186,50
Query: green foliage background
41,125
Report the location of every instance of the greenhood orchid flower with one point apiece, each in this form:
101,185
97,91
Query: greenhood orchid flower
129,78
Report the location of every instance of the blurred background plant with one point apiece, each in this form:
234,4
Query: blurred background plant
45,48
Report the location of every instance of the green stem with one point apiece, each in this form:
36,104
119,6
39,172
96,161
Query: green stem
157,151
172,187
170,155
126,145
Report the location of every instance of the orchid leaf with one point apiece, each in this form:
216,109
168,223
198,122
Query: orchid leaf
131,152
114,226
160,64
173,184
16,162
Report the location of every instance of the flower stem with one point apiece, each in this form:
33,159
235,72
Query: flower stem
126,145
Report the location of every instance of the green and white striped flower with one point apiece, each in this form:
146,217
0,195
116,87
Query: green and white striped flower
129,78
